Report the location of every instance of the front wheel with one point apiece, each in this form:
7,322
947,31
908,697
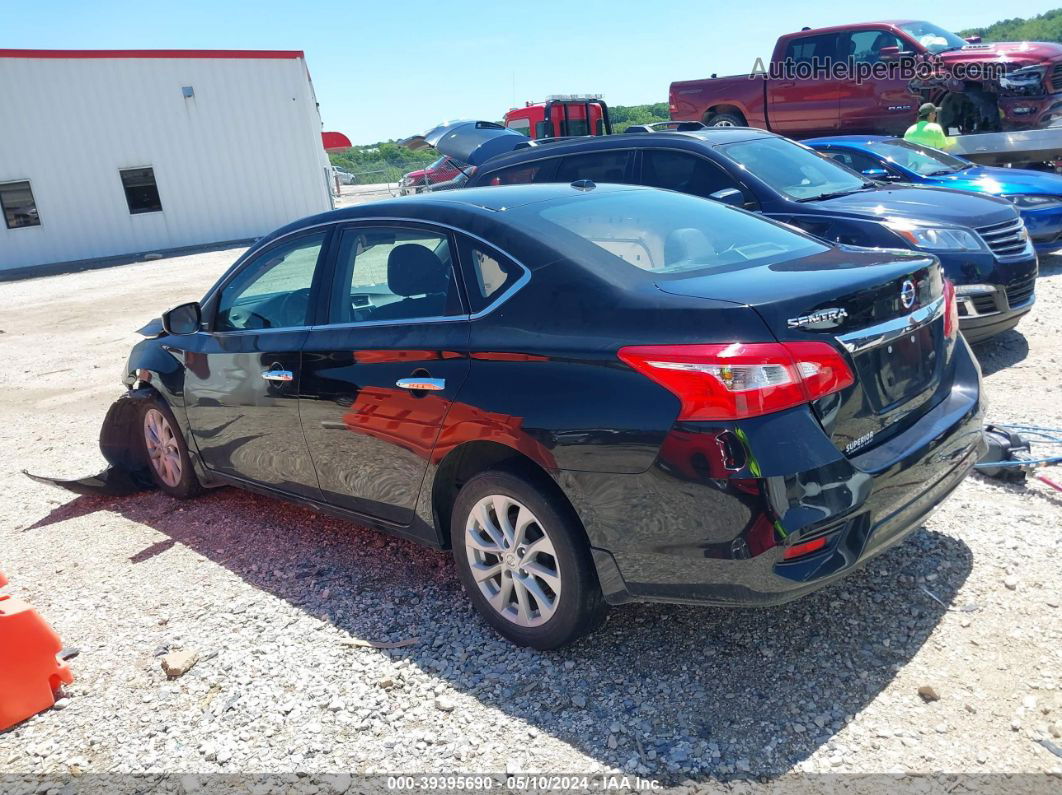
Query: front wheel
524,562
166,452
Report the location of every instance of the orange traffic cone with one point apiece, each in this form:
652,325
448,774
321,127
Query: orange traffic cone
30,673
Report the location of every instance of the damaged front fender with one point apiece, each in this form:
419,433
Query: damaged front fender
127,471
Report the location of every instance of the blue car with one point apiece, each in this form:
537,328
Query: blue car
1036,194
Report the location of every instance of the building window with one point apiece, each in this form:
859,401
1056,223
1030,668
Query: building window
16,198
141,192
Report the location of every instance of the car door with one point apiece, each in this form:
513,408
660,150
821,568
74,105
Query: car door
802,105
882,104
379,374
243,371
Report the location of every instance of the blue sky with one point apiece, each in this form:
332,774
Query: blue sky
387,70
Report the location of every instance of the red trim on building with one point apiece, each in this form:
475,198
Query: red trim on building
250,54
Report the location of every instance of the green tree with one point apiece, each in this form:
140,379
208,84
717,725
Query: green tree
1043,27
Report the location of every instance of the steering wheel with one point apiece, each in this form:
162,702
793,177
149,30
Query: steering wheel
292,308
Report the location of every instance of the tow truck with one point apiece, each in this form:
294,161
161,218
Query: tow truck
560,116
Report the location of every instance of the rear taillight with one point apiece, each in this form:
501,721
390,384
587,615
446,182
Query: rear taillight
951,310
800,550
737,380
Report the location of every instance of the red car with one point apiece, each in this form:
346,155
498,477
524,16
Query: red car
887,69
442,174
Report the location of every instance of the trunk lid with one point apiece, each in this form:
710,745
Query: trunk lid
883,308
472,142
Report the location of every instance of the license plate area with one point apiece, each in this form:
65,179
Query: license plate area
900,368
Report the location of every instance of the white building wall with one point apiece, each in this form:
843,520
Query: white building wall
240,158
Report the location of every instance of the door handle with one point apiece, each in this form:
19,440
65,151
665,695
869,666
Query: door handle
278,375
422,384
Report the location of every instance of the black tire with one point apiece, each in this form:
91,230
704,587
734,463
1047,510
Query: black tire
725,120
185,484
578,608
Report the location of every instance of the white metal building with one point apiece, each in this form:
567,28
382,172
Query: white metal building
112,153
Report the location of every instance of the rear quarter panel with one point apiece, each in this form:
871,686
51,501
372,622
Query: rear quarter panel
545,373
694,100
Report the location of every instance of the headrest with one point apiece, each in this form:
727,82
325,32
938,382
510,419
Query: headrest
687,245
413,269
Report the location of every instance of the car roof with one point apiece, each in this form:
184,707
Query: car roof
491,199
895,23
654,140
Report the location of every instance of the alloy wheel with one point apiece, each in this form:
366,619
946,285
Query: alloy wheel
513,560
162,449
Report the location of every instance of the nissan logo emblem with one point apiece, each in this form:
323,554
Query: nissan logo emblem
907,294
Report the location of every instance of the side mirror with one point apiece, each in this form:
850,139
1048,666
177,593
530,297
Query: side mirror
889,53
875,173
973,39
183,319
731,196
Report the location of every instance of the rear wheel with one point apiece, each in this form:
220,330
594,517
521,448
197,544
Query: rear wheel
725,120
166,453
524,563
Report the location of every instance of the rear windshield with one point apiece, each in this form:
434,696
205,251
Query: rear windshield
665,232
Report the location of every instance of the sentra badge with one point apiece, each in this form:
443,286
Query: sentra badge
824,318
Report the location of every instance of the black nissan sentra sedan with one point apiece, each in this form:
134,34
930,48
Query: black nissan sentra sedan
594,394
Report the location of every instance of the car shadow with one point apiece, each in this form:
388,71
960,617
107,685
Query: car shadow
766,685
1001,351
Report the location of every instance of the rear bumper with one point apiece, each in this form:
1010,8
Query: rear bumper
675,533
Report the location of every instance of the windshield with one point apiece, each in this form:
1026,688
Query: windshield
922,160
794,170
933,38
665,232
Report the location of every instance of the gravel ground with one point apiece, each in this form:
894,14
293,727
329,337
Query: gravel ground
277,601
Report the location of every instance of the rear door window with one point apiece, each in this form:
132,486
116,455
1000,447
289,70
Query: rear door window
810,48
539,171
390,273
610,166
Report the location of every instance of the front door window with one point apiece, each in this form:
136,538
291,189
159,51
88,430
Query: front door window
274,290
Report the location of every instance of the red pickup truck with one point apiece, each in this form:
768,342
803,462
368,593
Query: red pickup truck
871,78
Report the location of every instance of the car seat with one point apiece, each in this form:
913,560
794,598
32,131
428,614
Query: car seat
417,274
687,244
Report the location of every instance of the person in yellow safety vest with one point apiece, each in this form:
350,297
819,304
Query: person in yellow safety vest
926,131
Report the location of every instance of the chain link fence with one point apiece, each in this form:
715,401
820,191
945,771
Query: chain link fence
358,186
